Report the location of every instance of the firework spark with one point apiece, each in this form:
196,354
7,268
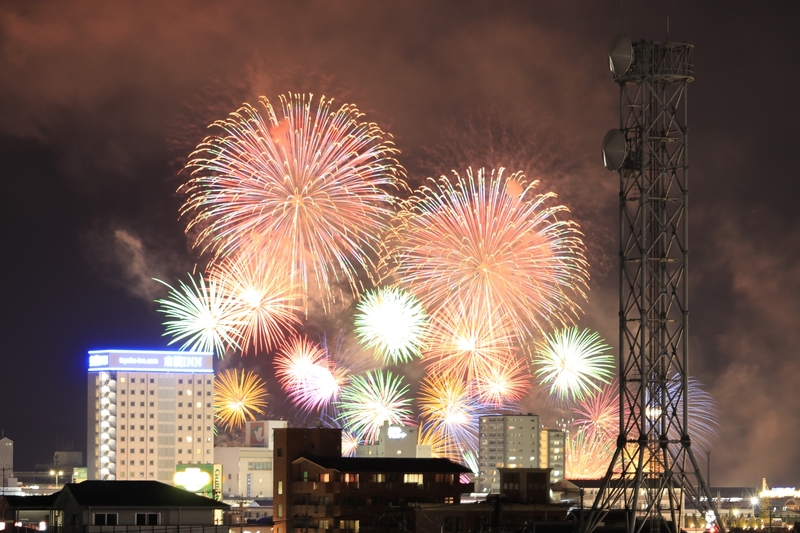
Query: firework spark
494,243
572,362
200,316
303,184
263,300
238,395
393,323
304,370
369,400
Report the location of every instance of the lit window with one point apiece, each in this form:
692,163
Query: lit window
188,392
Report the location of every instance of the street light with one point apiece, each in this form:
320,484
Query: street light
56,473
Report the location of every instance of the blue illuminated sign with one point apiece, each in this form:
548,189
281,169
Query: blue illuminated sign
150,361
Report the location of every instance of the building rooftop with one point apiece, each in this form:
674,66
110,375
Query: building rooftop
387,464
136,494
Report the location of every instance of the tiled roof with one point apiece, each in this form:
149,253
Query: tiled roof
387,464
136,494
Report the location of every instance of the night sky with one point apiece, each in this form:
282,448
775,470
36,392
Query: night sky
100,103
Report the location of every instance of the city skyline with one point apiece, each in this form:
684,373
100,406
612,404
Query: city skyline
103,104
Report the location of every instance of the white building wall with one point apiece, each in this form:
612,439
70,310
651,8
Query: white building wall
246,472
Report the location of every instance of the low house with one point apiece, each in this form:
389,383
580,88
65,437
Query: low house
118,506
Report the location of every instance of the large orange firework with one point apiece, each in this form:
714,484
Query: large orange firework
491,241
238,396
304,184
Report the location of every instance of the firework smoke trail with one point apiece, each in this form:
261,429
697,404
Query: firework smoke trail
449,412
263,300
572,362
302,183
468,343
494,243
200,316
393,323
369,400
238,396
310,379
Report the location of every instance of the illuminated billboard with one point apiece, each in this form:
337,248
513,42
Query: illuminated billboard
202,479
150,361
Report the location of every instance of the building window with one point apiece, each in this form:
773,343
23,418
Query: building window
412,478
148,519
280,509
349,525
280,489
104,519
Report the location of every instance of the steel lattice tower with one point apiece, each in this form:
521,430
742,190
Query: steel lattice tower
654,470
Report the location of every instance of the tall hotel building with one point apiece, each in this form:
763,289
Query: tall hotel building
148,412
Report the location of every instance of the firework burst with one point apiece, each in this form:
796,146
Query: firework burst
369,400
302,183
468,343
587,454
599,413
493,243
238,396
449,411
311,380
393,323
201,316
572,362
504,384
263,300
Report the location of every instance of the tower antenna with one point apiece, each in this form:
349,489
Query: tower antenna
654,471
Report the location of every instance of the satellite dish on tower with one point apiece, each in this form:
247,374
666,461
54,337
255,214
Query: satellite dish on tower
620,54
615,149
